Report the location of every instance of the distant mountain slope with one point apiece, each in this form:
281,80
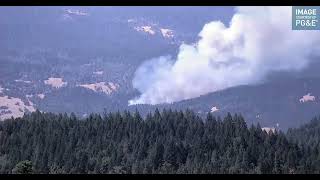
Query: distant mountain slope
60,59
269,104
83,59
289,102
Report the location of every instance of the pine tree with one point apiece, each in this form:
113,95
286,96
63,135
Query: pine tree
23,167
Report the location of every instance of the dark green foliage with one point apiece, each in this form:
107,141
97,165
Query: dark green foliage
163,142
23,167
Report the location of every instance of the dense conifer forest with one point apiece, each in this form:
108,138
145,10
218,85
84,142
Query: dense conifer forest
162,142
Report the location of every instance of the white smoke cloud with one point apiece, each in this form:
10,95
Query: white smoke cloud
258,40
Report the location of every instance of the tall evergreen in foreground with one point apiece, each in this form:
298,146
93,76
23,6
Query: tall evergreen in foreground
163,142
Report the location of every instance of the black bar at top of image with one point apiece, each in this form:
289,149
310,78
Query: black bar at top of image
158,2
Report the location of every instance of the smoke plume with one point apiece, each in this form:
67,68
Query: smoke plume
257,41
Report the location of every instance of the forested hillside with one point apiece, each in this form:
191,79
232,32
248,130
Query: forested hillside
163,142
